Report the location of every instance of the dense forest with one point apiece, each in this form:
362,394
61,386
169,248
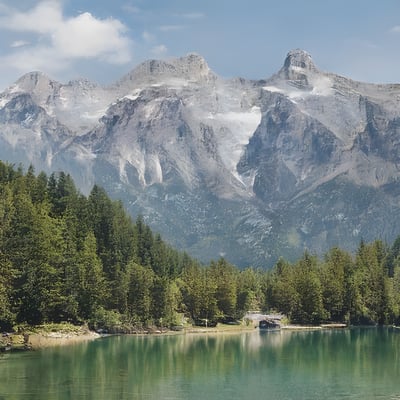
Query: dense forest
68,257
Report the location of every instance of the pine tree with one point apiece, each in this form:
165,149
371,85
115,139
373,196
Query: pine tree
335,274
282,295
224,275
92,288
308,308
141,280
372,282
250,294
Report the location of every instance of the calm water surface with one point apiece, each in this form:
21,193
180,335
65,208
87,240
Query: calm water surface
340,364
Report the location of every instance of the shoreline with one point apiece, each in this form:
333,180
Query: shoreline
38,341
43,339
35,338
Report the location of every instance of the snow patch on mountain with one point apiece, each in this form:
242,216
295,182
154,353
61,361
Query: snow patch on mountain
234,130
155,170
134,157
321,86
133,96
3,101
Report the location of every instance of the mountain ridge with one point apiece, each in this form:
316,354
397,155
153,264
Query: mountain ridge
235,167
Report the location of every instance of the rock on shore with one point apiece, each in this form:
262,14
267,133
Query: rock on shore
41,340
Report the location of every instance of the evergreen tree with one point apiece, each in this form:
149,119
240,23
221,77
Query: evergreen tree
395,289
335,275
199,293
143,238
224,276
282,295
165,301
122,240
7,273
372,282
308,307
101,215
92,288
7,316
141,280
250,295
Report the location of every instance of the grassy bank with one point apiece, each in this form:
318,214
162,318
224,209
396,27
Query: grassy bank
37,337
28,337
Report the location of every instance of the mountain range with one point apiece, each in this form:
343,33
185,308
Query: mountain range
246,169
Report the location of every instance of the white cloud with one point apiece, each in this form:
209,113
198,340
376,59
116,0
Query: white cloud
58,41
395,29
34,59
44,18
85,37
160,50
19,43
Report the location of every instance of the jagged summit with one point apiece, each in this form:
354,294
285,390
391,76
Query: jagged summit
83,83
299,59
191,67
298,68
37,84
33,81
299,77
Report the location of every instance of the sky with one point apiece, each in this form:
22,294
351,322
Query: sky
102,40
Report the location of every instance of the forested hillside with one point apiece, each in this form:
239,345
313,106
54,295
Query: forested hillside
67,257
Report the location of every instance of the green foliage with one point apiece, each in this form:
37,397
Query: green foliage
308,306
394,287
199,293
141,281
67,257
91,287
342,288
372,282
106,320
281,294
251,292
64,257
223,275
336,284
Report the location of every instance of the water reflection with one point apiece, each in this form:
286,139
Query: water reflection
355,363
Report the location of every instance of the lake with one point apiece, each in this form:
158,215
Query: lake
359,363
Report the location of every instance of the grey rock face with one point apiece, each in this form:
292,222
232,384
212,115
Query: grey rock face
251,170
297,67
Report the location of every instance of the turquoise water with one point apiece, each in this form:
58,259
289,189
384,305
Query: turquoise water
339,364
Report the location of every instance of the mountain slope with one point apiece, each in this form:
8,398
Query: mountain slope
247,169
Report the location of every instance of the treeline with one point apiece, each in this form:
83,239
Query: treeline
68,257
360,289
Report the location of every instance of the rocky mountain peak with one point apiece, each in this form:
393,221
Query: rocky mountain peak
37,84
297,68
83,83
193,66
190,68
33,82
299,59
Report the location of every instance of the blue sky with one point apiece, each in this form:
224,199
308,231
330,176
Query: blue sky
103,39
